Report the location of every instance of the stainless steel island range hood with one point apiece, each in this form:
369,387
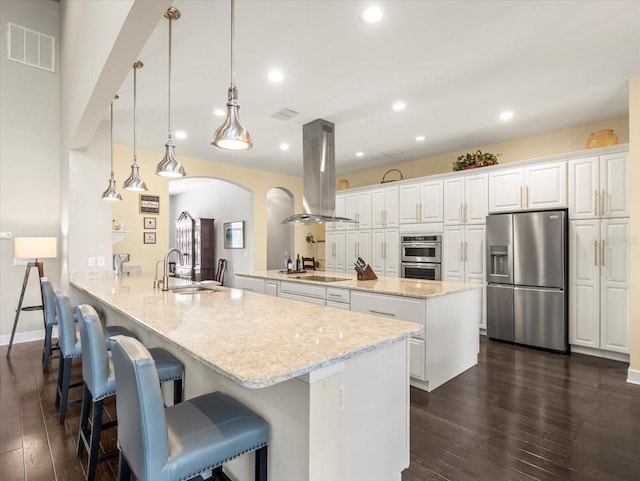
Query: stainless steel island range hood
319,175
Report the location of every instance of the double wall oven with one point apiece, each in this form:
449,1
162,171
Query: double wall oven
421,255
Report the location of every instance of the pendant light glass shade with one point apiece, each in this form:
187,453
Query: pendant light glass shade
111,193
134,182
169,166
232,135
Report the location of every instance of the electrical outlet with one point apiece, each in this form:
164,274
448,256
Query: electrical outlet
20,262
100,261
341,397
92,261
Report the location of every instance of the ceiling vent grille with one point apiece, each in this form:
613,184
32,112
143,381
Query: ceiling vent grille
32,48
285,114
392,152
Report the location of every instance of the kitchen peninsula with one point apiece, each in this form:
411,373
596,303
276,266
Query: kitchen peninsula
333,385
449,313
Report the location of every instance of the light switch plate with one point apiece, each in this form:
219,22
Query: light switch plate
92,261
100,261
6,235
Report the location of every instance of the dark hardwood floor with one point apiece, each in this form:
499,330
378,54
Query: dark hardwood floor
520,415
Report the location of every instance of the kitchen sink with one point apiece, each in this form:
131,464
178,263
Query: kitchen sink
192,290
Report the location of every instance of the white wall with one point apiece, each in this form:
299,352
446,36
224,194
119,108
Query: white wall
224,202
29,160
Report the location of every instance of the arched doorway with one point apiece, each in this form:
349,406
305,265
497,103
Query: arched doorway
280,205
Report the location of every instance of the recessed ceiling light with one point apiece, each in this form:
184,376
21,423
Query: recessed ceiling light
219,113
399,106
359,154
276,76
372,14
181,134
420,138
506,116
284,146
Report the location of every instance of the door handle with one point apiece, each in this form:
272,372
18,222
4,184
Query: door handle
384,217
595,205
521,202
526,194
466,213
466,248
420,216
604,203
390,314
604,250
461,215
460,252
417,212
595,252
385,250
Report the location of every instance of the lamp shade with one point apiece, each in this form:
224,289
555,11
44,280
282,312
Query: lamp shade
35,247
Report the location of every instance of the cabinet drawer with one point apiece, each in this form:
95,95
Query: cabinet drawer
250,284
339,305
403,308
417,359
338,295
307,290
299,297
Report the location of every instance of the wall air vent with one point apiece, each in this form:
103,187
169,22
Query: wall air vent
285,114
32,48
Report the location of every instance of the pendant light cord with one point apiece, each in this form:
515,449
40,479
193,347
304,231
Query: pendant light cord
112,140
233,40
169,101
135,70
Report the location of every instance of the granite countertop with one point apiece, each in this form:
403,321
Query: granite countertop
383,285
255,340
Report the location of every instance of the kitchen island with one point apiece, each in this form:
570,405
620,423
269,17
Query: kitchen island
333,385
449,313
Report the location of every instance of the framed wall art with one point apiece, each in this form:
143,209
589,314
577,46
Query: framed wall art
149,222
234,235
149,237
149,204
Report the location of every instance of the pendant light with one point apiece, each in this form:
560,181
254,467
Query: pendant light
111,193
134,182
232,135
170,166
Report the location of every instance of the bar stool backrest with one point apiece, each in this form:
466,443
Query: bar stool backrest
67,334
95,359
50,311
142,431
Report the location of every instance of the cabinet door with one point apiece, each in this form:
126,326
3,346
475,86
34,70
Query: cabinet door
364,210
614,185
431,201
454,201
506,190
452,257
272,288
377,251
351,209
363,249
351,247
330,250
340,212
340,254
474,252
584,283
614,304
391,206
391,253
476,201
377,208
584,192
409,199
545,186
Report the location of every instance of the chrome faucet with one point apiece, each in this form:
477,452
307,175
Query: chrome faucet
165,276
156,281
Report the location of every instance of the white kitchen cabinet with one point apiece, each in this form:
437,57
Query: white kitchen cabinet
421,202
466,199
385,254
339,212
254,284
463,257
599,284
599,187
539,186
335,251
303,292
272,287
358,208
339,298
384,207
358,244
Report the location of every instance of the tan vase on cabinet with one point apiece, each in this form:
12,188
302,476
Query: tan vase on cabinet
601,138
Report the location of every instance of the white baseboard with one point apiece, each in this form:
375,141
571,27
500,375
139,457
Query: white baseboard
614,356
27,336
633,376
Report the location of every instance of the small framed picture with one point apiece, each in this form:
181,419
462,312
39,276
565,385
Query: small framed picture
149,204
149,237
234,235
149,222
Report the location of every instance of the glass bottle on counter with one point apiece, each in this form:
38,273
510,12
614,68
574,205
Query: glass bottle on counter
289,265
298,264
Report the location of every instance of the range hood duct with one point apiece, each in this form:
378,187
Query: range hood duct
319,175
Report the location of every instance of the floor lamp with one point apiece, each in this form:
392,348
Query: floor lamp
34,249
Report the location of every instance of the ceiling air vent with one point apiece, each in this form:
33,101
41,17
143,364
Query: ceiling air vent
32,48
391,153
285,114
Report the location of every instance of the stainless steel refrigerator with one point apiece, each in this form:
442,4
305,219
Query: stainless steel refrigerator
527,295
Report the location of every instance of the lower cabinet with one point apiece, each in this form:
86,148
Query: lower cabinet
254,284
272,288
335,251
599,284
385,252
303,292
417,359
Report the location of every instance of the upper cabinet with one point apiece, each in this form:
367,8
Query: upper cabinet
421,202
466,200
599,187
340,212
384,207
358,208
542,186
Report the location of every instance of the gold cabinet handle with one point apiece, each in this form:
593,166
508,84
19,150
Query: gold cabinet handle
420,216
466,251
604,250
526,193
417,212
595,205
595,252
604,203
521,202
461,215
460,252
466,213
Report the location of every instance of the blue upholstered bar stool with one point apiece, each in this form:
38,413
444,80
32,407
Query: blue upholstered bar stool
99,383
182,441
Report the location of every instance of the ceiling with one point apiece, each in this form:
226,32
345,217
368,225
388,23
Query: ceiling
455,64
